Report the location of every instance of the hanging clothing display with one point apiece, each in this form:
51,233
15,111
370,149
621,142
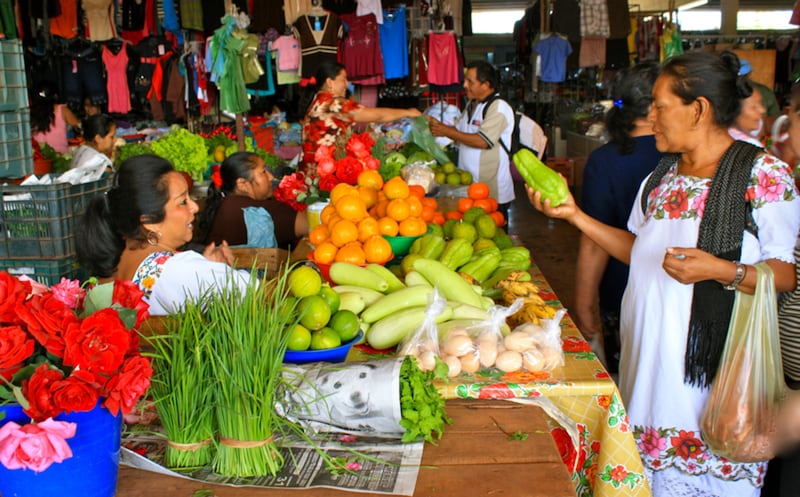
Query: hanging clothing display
394,43
317,45
618,15
119,96
366,7
554,51
99,15
443,67
264,87
138,20
293,9
227,47
191,14
82,73
65,25
594,18
592,51
361,49
288,53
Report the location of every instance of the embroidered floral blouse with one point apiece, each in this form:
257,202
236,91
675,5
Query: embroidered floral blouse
328,117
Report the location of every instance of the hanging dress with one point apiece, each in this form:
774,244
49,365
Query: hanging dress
317,46
119,95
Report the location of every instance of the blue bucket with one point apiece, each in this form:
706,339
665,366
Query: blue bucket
90,472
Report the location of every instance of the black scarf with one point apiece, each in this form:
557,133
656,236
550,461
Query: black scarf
721,231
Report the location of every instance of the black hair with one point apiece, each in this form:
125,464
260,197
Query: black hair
485,73
632,92
236,166
716,77
328,69
43,100
97,125
138,196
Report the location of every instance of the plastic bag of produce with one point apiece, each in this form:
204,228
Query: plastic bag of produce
539,345
423,344
740,417
421,135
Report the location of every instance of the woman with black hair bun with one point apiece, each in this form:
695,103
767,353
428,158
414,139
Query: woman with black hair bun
611,179
244,182
99,133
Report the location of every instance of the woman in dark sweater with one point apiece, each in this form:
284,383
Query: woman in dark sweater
246,182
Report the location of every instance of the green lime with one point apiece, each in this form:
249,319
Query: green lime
304,281
466,177
346,324
330,296
299,338
314,312
325,338
448,167
440,177
453,179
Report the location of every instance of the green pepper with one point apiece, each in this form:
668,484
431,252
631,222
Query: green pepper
428,246
456,253
481,268
518,253
541,178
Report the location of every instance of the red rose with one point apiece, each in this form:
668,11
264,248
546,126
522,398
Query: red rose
372,163
47,318
327,183
15,347
366,139
356,147
326,167
127,387
12,292
99,344
288,189
38,390
348,169
129,295
76,393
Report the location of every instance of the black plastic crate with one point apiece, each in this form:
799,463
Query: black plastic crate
39,221
46,271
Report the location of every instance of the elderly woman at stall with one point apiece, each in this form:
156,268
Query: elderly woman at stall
136,232
688,249
330,113
242,203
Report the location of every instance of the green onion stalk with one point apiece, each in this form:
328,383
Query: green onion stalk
182,389
248,344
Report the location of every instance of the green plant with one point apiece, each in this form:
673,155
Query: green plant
185,150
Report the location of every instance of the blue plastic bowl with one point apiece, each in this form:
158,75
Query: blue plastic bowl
336,354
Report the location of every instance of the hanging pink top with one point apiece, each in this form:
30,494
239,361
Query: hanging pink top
119,96
56,136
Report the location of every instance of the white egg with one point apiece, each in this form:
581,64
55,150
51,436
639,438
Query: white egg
429,344
427,361
458,345
487,352
518,341
457,332
509,361
533,360
453,365
470,363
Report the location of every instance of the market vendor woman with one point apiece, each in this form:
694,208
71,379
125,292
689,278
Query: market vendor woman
136,232
244,183
330,113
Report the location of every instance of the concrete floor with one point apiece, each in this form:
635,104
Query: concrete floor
553,244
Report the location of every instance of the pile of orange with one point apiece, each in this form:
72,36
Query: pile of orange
353,225
478,196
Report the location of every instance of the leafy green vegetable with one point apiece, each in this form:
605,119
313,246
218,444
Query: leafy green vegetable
421,404
185,150
130,150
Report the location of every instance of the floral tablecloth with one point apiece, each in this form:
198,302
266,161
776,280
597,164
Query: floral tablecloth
607,462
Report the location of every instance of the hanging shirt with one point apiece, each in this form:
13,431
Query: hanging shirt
119,95
366,7
394,43
443,66
99,14
317,45
288,53
66,25
554,51
594,18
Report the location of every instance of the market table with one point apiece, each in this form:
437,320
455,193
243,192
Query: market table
476,456
607,463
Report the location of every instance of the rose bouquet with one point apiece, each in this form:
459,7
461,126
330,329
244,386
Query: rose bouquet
64,349
334,165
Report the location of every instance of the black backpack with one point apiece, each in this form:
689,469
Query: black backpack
516,143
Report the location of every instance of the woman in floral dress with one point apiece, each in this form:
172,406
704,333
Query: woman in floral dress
330,113
688,246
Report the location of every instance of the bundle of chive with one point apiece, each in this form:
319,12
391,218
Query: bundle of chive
182,389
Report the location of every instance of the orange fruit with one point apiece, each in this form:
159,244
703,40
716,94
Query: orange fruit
341,190
351,207
333,219
318,234
370,178
477,191
380,208
396,188
388,226
438,218
493,201
343,232
414,206
398,209
368,227
483,203
352,253
378,250
369,195
498,217
464,204
325,215
412,226
453,215
429,202
416,191
325,253
428,214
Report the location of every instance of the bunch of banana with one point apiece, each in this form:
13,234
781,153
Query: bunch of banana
533,306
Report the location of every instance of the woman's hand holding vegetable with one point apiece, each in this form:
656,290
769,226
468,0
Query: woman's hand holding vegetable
566,210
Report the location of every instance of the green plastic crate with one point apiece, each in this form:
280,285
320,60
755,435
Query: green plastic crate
13,83
45,271
16,147
39,221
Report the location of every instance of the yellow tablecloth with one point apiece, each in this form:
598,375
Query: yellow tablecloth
608,462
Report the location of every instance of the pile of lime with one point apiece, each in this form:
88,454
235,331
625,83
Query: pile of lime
322,324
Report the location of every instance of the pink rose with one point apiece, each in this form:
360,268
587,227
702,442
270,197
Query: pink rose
35,446
69,292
